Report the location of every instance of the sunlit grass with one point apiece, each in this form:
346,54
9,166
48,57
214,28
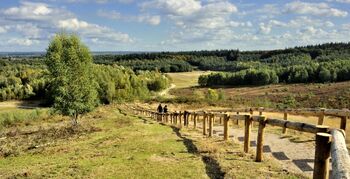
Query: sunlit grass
186,79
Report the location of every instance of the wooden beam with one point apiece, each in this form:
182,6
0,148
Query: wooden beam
340,155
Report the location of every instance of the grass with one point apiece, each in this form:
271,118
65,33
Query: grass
121,146
10,116
186,79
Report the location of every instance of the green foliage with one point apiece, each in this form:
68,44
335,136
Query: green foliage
212,95
289,101
13,117
222,95
70,65
245,77
325,75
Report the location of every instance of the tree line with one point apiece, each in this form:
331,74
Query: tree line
313,72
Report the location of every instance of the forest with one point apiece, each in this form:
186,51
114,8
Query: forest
28,79
123,77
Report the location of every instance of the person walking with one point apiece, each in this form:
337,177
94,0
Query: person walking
165,109
160,108
160,111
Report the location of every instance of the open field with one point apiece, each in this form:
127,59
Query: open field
111,142
331,95
186,79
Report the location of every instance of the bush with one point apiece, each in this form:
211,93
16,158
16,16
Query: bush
212,95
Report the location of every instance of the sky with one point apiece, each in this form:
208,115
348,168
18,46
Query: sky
174,25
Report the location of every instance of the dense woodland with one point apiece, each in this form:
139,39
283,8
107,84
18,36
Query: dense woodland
26,77
29,79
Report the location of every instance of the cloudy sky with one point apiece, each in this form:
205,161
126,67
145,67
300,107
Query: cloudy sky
173,25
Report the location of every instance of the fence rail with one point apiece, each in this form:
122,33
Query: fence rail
329,142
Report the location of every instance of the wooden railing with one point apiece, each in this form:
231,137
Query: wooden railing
329,142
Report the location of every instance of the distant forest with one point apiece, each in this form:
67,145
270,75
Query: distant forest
308,64
328,62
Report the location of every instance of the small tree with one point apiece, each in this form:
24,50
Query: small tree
73,87
212,95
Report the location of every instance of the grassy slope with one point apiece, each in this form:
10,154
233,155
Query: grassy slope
111,144
123,146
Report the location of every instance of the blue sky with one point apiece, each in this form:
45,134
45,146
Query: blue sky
174,25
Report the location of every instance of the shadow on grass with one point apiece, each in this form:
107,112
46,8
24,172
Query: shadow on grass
212,166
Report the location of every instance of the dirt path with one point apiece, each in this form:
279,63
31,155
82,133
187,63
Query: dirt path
20,104
166,91
295,157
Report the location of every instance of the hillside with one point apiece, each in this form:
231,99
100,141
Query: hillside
111,142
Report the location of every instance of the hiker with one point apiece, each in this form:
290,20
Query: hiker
160,109
165,109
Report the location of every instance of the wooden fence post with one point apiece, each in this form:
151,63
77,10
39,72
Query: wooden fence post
226,131
260,141
260,111
195,121
180,119
322,156
321,117
205,116
186,115
285,117
251,112
211,124
247,130
343,123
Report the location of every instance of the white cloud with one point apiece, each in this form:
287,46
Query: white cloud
317,9
152,20
264,28
109,14
174,7
21,42
37,22
93,31
35,11
144,18
342,1
73,24
3,30
99,1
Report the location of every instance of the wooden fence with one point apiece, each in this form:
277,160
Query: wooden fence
329,142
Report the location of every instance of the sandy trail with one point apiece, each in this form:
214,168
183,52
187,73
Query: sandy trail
295,157
166,91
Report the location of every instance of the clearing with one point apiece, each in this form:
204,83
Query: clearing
186,79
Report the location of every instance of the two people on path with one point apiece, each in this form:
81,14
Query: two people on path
160,109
